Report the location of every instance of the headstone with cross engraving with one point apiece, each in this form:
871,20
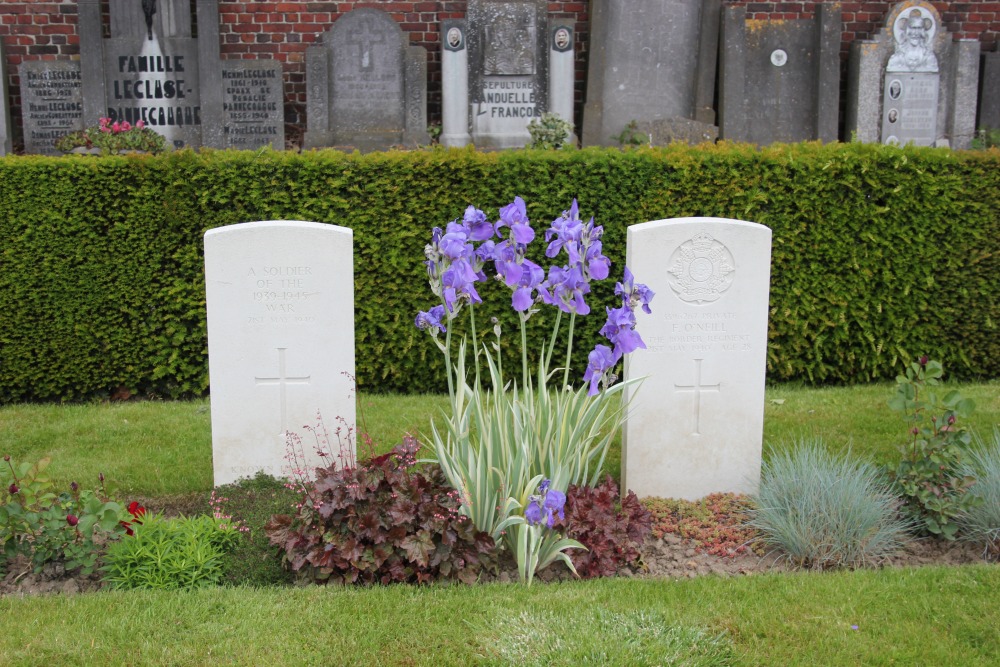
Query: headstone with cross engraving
695,423
280,341
366,87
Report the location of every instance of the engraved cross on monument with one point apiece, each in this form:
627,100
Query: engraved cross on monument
712,276
365,42
283,380
277,286
697,388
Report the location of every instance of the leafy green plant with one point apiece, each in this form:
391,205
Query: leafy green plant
929,476
631,136
501,442
549,131
820,510
170,554
980,522
381,522
986,137
715,523
114,137
45,525
611,528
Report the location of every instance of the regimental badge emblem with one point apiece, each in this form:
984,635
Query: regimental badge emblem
701,270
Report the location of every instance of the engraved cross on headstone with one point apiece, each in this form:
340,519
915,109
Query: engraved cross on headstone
282,381
697,388
364,39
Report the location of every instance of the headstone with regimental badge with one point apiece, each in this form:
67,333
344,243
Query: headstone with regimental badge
280,298
695,423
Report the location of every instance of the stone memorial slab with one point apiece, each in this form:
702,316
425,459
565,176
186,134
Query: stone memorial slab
649,60
454,83
5,126
562,59
695,423
912,83
372,85
989,108
51,103
280,298
253,104
780,80
508,59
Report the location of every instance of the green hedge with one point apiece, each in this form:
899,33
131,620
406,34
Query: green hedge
880,253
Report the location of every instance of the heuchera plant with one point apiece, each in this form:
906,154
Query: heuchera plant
503,442
929,476
611,528
381,522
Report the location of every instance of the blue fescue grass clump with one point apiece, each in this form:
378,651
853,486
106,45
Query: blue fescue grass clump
822,510
981,522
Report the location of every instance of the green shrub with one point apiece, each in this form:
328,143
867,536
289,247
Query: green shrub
45,524
170,554
820,510
880,253
549,131
980,523
253,561
930,476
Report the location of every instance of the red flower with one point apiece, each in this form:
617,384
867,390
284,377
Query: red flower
128,527
136,510
12,489
72,520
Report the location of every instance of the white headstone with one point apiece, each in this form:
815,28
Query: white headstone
280,340
696,422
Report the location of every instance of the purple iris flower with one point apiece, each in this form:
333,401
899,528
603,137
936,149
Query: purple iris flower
633,293
531,276
431,320
533,513
620,330
565,288
600,360
554,502
455,245
544,486
458,281
598,266
506,256
565,232
515,216
480,229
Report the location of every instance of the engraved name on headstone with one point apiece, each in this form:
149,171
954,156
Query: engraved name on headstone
252,104
51,103
695,422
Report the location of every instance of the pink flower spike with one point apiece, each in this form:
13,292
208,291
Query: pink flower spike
140,124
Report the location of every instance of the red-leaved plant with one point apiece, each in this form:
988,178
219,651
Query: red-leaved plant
381,522
612,528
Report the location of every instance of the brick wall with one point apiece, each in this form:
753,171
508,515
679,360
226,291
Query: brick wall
33,30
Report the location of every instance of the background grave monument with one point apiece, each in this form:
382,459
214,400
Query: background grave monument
779,81
653,62
505,46
696,421
989,100
51,103
5,126
912,84
280,298
366,87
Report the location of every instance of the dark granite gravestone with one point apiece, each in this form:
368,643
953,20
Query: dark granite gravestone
989,100
366,88
508,62
912,84
51,103
780,80
650,61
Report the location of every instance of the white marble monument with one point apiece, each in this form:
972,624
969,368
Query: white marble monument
696,422
280,340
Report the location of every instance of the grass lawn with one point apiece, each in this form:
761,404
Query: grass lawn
924,616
